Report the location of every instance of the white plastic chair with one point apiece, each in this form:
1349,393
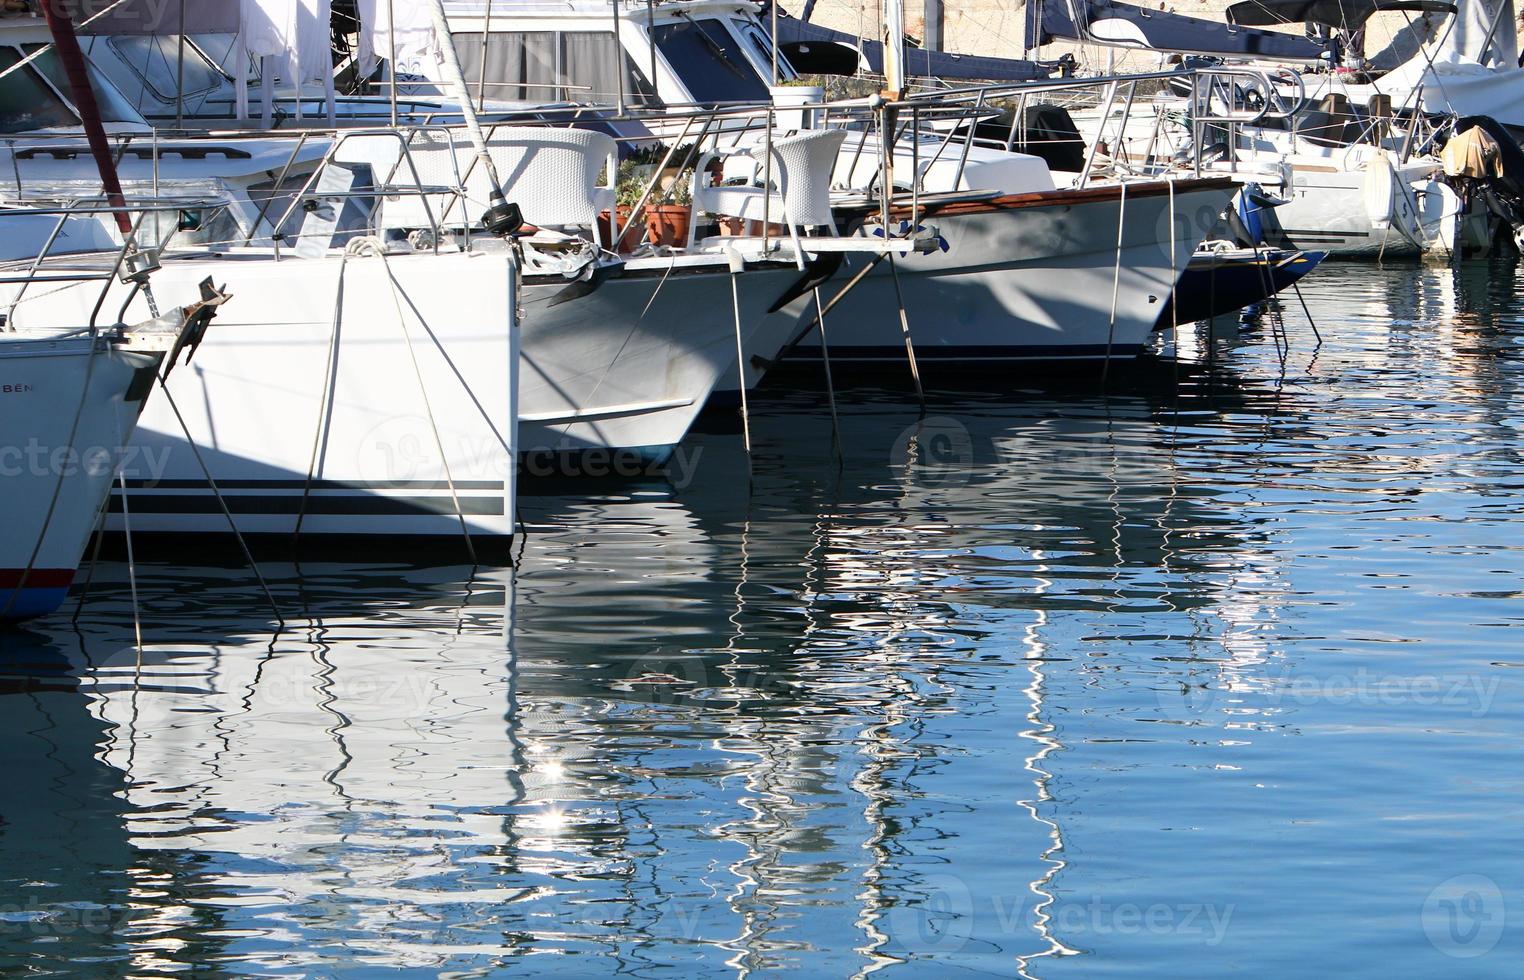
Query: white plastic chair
551,174
801,167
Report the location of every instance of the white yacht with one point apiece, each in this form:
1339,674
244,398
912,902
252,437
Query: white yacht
358,387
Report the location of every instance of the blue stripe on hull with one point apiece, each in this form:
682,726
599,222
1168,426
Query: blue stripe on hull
30,603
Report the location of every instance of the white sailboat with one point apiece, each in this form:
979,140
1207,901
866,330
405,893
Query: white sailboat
974,301
358,390
622,361
70,398
1349,160
72,392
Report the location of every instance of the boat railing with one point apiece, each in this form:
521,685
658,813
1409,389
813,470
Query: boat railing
131,262
928,128
359,146
274,203
1237,97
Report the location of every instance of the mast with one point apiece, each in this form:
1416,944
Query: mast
894,49
501,218
934,25
61,26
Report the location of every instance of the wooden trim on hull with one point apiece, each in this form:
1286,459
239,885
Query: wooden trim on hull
971,355
966,203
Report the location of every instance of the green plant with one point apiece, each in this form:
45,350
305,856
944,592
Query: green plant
680,190
630,183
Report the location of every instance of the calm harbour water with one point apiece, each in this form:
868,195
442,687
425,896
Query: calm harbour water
1126,685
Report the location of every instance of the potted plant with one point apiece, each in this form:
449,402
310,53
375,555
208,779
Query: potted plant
667,223
791,98
629,184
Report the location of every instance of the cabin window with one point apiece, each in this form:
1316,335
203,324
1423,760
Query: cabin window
710,61
764,50
155,60
113,106
26,101
552,66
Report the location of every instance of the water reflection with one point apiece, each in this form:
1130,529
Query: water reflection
1017,685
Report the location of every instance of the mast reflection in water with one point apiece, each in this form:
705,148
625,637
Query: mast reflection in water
1044,683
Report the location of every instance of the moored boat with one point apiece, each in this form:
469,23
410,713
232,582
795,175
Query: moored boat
1219,281
69,402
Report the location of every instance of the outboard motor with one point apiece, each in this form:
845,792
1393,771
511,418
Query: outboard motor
1245,217
1218,152
1480,157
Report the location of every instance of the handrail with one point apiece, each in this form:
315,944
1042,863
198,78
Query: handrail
946,115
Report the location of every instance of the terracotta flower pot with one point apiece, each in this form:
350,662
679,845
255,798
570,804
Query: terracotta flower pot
667,224
774,230
630,237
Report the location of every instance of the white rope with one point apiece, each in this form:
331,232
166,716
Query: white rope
1116,282
330,372
428,407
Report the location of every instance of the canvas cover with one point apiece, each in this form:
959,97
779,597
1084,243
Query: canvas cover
1348,15
151,16
1473,153
1116,24
812,39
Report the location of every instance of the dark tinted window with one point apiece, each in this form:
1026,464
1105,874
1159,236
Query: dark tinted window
156,62
113,107
710,62
26,101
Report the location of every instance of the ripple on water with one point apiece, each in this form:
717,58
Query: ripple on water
1150,682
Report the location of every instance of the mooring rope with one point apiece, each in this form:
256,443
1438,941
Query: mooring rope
1116,282
428,407
329,378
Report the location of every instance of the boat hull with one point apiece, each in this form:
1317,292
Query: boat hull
394,417
628,366
1029,278
55,475
1215,284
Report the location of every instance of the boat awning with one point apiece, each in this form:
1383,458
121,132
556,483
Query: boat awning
1338,14
813,49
